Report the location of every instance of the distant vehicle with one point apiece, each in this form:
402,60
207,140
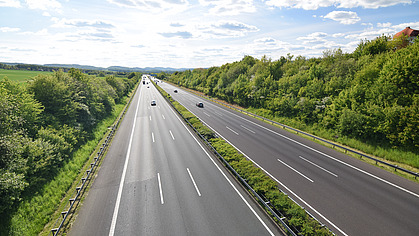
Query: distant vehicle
175,91
200,104
148,86
143,81
153,102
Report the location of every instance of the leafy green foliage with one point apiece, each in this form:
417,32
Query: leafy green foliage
42,123
254,176
370,95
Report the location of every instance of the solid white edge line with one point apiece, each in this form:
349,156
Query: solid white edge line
228,180
193,181
285,164
314,164
160,189
121,184
330,157
283,185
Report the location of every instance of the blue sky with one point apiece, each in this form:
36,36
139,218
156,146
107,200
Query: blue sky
190,33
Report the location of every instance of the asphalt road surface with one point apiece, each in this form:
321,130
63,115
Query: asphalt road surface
157,179
348,195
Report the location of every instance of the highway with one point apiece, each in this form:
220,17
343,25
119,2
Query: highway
346,194
158,179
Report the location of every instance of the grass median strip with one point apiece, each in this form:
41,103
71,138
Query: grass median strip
255,177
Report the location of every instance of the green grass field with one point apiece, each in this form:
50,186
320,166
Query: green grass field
20,75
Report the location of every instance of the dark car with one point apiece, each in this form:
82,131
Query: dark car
153,102
200,104
175,91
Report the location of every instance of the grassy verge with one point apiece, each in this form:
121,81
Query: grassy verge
40,209
256,178
403,158
20,75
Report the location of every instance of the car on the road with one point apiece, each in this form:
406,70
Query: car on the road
175,91
200,104
153,102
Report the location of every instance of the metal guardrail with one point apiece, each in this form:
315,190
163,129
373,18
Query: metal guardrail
82,184
396,167
276,214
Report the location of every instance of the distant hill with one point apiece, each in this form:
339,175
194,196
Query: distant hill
110,68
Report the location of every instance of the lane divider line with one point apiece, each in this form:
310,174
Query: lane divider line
193,181
160,189
124,172
251,131
285,164
172,135
314,164
232,130
225,176
282,184
329,156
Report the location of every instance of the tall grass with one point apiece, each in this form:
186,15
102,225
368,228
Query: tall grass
388,153
35,211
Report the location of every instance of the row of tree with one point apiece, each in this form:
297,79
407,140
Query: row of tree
44,120
371,94
91,70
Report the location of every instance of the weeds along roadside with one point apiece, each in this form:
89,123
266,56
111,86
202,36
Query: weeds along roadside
404,159
36,217
296,216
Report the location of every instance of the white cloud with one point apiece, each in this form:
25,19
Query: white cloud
8,29
304,4
314,38
43,4
178,34
65,23
10,3
226,29
384,25
315,4
343,17
229,7
373,4
154,5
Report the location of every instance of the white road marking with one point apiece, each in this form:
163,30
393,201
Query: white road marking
251,131
160,189
285,164
218,113
314,164
330,157
232,130
283,185
152,136
193,181
228,180
121,183
207,114
172,135
163,117
150,118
